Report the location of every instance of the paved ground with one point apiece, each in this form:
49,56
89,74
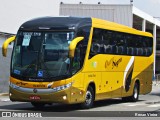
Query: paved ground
149,103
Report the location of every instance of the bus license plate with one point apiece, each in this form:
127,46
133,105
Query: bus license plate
34,97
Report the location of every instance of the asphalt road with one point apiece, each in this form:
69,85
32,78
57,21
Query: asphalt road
149,103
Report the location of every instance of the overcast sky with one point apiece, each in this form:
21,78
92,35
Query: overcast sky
14,12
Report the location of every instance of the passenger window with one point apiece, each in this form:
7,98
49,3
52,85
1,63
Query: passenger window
107,40
118,43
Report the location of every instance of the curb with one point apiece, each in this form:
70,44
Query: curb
4,94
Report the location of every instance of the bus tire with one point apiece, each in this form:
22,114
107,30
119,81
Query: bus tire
134,96
38,105
89,98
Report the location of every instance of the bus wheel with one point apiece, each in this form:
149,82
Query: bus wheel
38,105
89,98
135,94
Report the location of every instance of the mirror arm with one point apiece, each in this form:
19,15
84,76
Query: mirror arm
5,45
73,45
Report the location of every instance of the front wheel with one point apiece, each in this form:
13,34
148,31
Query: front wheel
89,98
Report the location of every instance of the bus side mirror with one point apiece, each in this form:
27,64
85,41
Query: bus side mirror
5,45
73,45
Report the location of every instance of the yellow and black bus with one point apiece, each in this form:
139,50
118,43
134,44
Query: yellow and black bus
79,60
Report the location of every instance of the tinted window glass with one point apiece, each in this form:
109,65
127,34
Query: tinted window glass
118,43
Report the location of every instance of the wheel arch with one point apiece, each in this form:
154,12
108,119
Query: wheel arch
92,84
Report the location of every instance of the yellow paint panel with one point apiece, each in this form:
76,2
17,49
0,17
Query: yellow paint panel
78,80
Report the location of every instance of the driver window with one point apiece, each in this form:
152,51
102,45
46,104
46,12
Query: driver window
77,59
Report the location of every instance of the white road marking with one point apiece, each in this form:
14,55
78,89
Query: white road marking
154,105
5,100
132,105
141,104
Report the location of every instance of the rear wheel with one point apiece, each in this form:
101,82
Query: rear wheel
38,105
134,96
89,98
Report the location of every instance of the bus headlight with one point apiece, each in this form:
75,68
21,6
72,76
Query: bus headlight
59,88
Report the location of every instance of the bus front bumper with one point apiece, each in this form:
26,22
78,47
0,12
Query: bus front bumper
39,95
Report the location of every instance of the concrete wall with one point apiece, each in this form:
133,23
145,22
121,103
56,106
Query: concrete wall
117,13
4,65
3,38
4,71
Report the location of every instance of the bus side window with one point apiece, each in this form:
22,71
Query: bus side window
107,37
95,48
120,43
130,51
120,50
131,43
97,43
149,44
149,51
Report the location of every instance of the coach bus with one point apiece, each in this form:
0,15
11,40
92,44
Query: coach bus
79,60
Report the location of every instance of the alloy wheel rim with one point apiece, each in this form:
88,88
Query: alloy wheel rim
88,97
135,93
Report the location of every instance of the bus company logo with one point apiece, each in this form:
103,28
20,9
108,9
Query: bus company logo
22,114
21,83
114,63
35,90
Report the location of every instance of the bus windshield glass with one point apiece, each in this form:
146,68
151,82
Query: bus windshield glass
41,54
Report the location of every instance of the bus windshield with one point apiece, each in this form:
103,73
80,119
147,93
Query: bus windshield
41,55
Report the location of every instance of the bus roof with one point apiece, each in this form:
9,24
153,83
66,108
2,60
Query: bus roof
52,23
117,27
55,23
